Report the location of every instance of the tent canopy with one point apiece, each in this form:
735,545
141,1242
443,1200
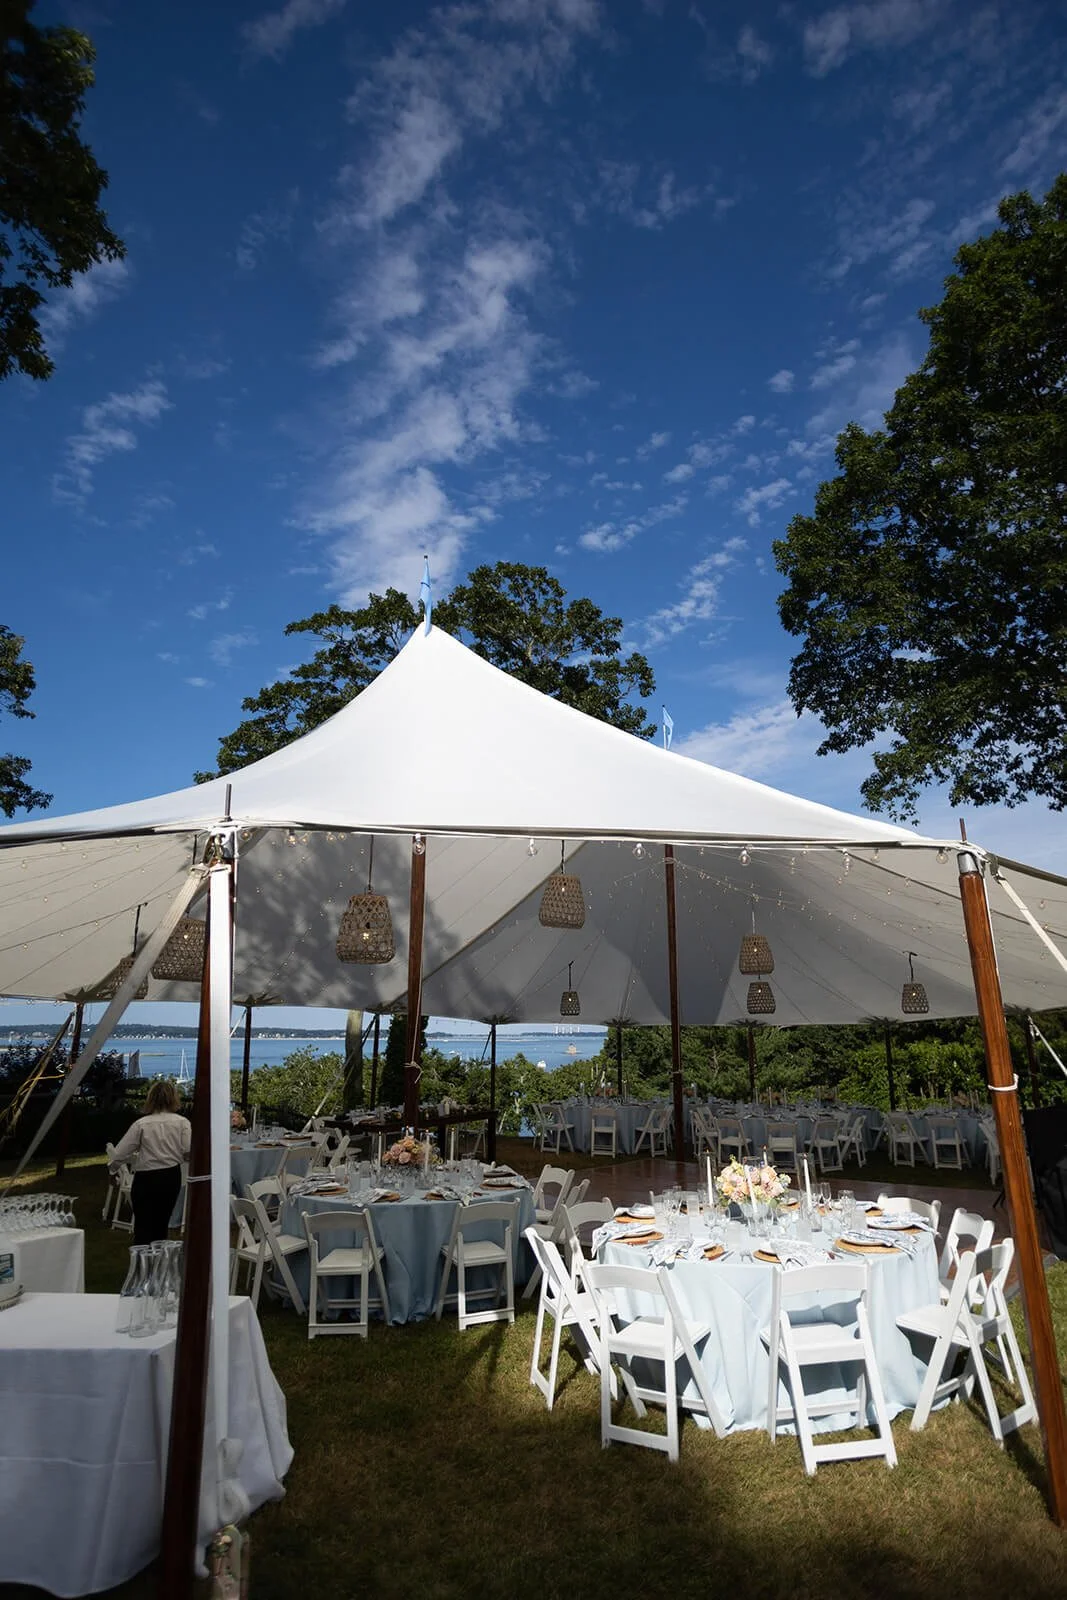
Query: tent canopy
498,778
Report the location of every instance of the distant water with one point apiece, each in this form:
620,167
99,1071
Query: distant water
163,1057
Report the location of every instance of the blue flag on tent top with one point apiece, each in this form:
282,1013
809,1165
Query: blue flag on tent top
668,728
425,592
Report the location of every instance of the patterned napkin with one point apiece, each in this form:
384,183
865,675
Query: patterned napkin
664,1251
635,1211
317,1186
899,1242
618,1230
797,1252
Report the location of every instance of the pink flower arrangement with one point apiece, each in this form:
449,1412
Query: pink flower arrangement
739,1182
407,1152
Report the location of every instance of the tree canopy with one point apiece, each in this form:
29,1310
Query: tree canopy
927,585
16,685
517,617
51,223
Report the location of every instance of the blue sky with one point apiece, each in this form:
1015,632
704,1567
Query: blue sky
544,280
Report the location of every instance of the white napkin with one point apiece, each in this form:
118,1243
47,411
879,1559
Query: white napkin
797,1252
635,1211
899,1243
617,1230
499,1171
902,1219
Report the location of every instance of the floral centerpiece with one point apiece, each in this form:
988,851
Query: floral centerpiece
409,1152
741,1183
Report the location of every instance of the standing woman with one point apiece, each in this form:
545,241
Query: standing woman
155,1146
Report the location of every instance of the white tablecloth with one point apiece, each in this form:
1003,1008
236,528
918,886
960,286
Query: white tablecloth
83,1441
48,1260
734,1297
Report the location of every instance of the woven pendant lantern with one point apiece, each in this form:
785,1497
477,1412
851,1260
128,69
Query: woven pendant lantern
563,903
913,999
181,959
116,978
760,999
756,955
366,931
569,1004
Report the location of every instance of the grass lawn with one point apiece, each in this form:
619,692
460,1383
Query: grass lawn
427,1466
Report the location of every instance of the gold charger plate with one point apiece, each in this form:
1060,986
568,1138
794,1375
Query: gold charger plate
713,1252
766,1255
875,1248
383,1198
644,1238
628,1216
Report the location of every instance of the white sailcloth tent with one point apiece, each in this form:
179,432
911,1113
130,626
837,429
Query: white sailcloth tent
498,779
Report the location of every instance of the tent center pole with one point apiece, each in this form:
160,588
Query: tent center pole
412,1053
1003,1087
672,982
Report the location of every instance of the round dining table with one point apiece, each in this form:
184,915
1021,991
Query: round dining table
412,1231
733,1297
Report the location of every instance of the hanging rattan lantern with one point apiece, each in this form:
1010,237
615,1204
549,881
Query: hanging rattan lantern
569,1004
756,955
913,1000
116,978
563,903
760,999
181,959
366,931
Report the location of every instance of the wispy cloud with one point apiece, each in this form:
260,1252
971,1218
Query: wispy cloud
831,38
607,537
1039,129
701,587
87,294
654,442
842,360
438,291
646,203
781,381
108,428
762,742
273,32
204,608
263,227
765,498
222,647
199,683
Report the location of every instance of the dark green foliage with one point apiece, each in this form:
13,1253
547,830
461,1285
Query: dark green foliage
393,1060
17,683
517,617
927,585
51,223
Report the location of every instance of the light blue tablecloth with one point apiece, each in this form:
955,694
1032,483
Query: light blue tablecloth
412,1233
734,1297
249,1163
630,1115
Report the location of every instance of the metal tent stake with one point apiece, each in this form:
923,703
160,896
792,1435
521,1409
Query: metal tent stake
1003,1088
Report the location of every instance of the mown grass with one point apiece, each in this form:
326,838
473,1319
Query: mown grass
427,1465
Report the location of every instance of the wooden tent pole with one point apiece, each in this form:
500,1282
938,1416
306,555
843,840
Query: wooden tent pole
68,1115
889,1070
412,1066
247,1063
374,1060
181,1495
618,1059
490,1128
672,981
1004,1092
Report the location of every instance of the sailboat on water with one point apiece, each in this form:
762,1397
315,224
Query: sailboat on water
184,1075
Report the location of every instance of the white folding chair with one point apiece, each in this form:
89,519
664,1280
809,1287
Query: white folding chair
901,1139
339,1154
583,1215
852,1133
461,1254
966,1231
826,1145
782,1145
604,1132
655,1130
550,1192
356,1259
946,1146
705,1133
807,1343
895,1205
272,1192
280,1246
249,1249
662,1336
120,1190
733,1141
567,1305
555,1129
975,1314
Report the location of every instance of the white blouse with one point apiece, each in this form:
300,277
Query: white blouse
153,1142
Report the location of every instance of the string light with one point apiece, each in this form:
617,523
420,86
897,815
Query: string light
744,856
418,845
942,856
639,849
846,862
531,848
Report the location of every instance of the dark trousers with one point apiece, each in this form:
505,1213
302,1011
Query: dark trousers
153,1195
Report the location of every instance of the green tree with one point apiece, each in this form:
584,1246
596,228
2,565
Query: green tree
928,584
17,683
517,617
51,224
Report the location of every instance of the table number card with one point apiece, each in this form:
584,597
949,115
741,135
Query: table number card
7,1268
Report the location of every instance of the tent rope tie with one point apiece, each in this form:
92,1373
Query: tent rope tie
1004,1088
